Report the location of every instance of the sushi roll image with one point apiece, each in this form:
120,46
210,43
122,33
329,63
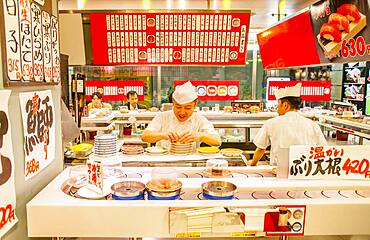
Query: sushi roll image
330,32
340,21
350,11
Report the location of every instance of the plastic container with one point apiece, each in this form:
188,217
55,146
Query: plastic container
164,178
217,167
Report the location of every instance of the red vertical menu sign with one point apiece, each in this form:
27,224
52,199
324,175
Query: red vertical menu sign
189,38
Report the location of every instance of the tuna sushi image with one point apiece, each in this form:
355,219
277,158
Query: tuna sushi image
330,32
340,21
350,11
341,25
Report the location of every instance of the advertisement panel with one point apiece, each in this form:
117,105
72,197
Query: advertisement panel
39,131
341,30
313,91
115,90
329,162
212,90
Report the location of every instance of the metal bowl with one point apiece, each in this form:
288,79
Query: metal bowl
128,190
218,190
163,194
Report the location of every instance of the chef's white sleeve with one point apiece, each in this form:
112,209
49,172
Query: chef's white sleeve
156,124
320,136
262,140
206,126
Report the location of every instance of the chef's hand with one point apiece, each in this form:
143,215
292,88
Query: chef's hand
190,137
173,137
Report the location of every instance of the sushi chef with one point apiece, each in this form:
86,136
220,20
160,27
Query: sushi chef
181,124
289,128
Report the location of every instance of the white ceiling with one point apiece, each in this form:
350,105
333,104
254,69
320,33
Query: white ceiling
262,9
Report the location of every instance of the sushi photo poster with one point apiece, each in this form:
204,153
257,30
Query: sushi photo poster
341,30
7,188
39,130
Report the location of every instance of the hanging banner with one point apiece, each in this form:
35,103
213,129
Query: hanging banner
29,33
39,130
114,90
7,187
329,162
341,30
313,91
211,90
181,38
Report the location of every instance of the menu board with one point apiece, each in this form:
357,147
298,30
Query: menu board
114,90
181,38
354,75
39,130
311,91
30,49
329,162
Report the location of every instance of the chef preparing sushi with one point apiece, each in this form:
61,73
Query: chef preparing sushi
289,128
181,124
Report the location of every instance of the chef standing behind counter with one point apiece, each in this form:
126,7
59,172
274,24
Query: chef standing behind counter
182,124
289,128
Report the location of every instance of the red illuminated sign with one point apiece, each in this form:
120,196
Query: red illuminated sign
114,90
310,91
211,90
290,43
199,38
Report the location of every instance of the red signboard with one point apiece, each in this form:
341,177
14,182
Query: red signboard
114,90
313,91
199,38
290,43
211,90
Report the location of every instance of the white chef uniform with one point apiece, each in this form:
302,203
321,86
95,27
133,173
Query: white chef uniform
167,121
289,129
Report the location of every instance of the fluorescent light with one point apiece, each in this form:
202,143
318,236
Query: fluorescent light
182,4
169,4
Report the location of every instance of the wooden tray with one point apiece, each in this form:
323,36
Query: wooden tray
331,47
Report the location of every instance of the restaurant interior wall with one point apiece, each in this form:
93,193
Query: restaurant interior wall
25,191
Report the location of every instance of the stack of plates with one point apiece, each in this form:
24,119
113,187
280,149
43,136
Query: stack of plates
132,149
156,150
105,145
208,150
181,148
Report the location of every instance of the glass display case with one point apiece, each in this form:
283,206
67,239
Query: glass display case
233,135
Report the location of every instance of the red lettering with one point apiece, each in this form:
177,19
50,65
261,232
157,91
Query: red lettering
6,215
355,166
32,166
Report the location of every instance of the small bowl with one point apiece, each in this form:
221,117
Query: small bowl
128,190
218,190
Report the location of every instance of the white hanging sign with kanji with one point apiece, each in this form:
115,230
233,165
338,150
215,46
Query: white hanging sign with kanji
329,162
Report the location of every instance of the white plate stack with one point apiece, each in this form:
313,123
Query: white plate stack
132,149
181,148
155,151
105,145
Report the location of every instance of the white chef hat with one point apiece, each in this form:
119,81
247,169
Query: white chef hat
185,93
294,91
